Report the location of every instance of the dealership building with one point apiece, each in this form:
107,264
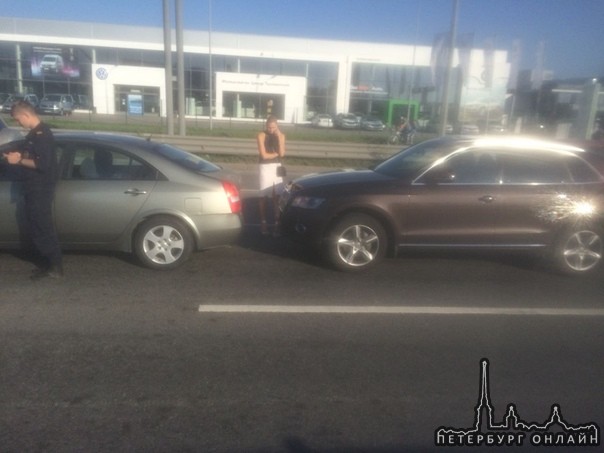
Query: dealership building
116,68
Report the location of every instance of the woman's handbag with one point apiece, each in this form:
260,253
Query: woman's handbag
281,171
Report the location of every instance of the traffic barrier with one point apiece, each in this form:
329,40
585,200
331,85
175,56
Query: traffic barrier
244,147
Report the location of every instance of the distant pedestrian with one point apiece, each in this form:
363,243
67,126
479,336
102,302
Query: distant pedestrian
38,163
410,131
271,150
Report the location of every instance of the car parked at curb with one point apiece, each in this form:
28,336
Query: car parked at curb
30,98
82,102
321,120
457,193
468,129
127,194
56,104
372,123
8,134
346,121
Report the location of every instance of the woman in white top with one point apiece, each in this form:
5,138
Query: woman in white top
271,150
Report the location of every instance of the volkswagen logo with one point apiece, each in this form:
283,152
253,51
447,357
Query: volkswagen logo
102,73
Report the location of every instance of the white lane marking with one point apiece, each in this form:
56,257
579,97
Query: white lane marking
343,309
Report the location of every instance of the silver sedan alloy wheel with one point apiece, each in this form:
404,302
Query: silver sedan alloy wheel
163,243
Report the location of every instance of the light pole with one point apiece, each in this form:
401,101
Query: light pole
412,81
180,69
168,68
445,98
211,97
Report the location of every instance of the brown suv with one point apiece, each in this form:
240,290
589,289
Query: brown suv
495,193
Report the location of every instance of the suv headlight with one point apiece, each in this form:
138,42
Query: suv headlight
307,202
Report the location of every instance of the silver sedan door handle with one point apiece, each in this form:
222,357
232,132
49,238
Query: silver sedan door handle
135,192
487,199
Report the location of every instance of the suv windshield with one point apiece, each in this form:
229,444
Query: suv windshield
186,160
413,161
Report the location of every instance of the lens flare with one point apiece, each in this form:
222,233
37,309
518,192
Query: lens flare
563,207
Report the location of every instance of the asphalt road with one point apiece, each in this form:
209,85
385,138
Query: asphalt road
116,357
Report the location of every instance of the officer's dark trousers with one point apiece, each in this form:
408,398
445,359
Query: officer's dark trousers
41,227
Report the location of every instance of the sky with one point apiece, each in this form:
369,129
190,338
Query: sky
572,30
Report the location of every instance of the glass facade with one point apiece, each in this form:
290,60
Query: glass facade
21,72
98,65
43,68
375,86
384,90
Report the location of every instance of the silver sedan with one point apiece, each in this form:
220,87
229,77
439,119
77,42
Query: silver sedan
128,194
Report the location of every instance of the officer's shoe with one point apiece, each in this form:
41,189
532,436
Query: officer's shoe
53,271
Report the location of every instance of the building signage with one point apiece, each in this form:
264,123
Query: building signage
248,84
102,73
54,63
135,104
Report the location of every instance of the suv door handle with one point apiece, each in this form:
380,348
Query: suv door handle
487,199
135,192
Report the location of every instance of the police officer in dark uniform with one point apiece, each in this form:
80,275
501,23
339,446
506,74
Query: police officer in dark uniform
38,163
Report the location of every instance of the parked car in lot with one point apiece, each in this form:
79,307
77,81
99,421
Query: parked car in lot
82,102
346,121
433,125
8,103
468,129
56,104
490,193
321,120
495,128
128,194
372,123
8,134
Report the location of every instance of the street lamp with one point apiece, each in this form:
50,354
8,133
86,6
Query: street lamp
445,99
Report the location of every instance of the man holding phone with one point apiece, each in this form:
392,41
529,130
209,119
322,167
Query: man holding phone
38,164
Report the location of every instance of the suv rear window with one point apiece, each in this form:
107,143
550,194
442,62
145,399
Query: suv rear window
538,169
581,171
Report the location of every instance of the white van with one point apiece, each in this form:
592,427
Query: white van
52,63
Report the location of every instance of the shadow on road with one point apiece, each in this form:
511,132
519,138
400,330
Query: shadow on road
252,238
